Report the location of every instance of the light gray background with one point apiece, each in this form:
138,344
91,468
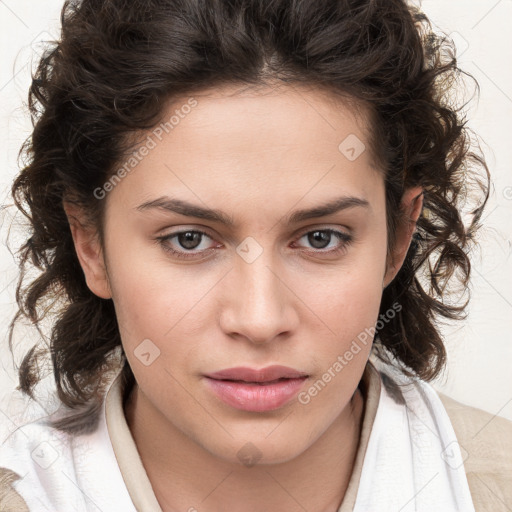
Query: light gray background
479,371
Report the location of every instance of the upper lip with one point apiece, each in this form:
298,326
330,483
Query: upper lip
267,374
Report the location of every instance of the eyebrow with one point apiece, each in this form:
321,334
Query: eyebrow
191,210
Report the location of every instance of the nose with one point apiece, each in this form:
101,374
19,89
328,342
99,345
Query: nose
259,304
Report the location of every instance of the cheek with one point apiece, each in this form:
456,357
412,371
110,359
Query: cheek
348,312
149,294
342,343
346,306
156,308
167,304
346,298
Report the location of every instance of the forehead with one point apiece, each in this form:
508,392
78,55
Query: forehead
253,143
273,115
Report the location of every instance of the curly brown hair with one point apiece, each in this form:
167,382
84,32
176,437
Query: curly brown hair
118,62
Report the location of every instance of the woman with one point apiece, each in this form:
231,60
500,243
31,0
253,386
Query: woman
237,202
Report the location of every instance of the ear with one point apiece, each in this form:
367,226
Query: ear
89,251
411,205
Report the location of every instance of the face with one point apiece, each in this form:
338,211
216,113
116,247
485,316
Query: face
267,279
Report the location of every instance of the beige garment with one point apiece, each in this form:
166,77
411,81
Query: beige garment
486,441
10,500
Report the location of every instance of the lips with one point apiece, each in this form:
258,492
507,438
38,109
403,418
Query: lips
256,390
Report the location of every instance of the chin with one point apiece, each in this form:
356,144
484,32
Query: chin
254,450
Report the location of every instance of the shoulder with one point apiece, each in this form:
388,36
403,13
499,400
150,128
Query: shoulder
486,446
31,458
45,468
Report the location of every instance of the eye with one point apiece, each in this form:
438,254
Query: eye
322,238
188,242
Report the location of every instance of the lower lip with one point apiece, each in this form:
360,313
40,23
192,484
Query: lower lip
255,397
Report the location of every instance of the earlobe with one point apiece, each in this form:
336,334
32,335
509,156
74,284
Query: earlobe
89,251
411,205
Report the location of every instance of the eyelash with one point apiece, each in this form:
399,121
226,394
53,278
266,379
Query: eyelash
342,236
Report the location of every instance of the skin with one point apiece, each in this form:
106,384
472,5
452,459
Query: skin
257,156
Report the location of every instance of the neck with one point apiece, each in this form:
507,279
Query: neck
184,476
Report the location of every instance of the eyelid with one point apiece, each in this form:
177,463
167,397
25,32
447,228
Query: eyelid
206,231
183,228
326,227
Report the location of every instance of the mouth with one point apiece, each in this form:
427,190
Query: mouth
254,390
